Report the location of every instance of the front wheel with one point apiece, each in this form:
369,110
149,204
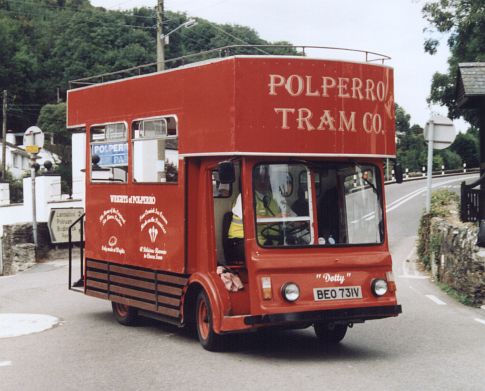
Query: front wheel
208,338
124,314
330,333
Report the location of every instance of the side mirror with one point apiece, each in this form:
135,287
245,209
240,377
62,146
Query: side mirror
227,173
398,173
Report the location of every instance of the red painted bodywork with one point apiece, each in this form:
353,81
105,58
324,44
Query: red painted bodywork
226,108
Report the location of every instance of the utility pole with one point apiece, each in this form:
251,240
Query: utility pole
4,134
160,42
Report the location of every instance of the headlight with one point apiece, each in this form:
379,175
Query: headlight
379,287
290,291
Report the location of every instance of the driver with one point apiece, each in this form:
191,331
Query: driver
266,206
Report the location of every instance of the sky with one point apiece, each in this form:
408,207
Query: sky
391,27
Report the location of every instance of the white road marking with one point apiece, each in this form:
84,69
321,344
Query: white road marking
435,299
393,205
482,321
413,277
414,289
404,268
5,363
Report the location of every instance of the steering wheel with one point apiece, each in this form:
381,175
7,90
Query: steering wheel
274,232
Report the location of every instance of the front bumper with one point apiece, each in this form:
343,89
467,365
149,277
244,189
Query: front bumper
348,314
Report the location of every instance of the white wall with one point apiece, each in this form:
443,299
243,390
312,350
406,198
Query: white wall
48,196
78,163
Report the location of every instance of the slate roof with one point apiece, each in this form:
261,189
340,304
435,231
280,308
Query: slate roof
471,83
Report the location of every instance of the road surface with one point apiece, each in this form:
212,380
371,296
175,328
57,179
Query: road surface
436,344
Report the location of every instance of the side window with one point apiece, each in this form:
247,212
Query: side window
109,153
155,150
220,190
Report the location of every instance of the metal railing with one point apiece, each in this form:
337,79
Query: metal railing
80,282
414,176
470,201
225,51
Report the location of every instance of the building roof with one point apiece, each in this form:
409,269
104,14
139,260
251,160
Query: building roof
470,86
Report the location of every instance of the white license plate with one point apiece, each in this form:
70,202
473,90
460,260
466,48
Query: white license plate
337,293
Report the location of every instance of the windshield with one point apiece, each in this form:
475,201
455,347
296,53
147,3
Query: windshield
347,206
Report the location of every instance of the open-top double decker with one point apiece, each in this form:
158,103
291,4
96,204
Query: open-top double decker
296,145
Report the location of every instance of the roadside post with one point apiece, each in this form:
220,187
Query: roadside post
33,142
440,133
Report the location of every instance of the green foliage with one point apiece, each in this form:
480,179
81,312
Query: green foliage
451,159
467,146
412,149
423,249
46,43
16,188
402,119
463,21
441,201
459,296
429,243
52,120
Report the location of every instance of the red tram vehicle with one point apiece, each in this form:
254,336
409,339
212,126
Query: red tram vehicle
240,193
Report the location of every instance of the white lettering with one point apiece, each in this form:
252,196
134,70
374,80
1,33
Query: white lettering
342,87
290,85
309,91
284,119
372,123
327,82
369,90
349,123
367,122
326,121
357,88
275,81
381,91
304,117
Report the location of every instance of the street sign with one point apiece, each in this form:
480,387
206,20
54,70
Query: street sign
59,221
443,132
33,139
33,149
111,154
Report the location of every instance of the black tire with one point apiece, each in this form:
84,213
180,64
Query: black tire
330,333
208,338
124,314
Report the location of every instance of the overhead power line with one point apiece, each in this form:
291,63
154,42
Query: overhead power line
234,37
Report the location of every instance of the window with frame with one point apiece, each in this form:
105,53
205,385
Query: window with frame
109,153
155,150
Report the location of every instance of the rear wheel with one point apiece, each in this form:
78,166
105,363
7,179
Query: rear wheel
124,314
208,338
330,333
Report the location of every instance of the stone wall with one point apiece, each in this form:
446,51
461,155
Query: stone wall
456,260
18,250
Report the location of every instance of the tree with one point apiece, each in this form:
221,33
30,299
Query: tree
467,146
464,23
402,119
412,149
52,120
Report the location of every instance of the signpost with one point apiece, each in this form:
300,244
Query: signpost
440,133
33,142
59,221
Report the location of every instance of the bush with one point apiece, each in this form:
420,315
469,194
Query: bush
429,244
16,188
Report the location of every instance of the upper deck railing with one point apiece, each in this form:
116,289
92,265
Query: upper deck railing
294,50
